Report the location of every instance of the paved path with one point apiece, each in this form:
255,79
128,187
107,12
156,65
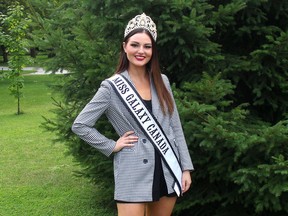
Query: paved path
38,70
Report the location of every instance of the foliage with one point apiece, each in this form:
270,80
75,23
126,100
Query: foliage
4,6
228,60
36,177
13,34
242,161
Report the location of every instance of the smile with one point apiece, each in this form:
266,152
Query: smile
140,58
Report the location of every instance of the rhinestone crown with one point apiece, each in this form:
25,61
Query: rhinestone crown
141,21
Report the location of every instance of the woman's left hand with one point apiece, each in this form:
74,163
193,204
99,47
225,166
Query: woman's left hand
186,181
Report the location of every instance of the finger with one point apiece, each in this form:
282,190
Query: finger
128,145
132,139
185,186
183,183
129,139
128,133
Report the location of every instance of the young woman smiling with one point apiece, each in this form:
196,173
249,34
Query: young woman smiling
147,160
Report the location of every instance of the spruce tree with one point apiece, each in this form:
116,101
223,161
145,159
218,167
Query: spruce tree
228,61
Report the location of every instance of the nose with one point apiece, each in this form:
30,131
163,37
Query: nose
141,49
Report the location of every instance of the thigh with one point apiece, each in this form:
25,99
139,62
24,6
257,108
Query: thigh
131,209
163,207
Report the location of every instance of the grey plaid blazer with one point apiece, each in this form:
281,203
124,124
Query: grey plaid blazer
133,167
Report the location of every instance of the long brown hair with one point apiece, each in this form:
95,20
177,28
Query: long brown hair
152,66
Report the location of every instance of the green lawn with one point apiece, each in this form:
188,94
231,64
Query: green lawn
35,176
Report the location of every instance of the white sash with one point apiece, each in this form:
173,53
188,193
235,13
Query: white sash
149,125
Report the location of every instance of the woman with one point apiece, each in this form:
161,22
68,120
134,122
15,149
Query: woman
145,177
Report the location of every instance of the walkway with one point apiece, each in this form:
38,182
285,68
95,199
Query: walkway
38,70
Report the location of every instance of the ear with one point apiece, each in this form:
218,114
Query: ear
124,46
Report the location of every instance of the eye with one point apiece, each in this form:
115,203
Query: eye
134,45
148,46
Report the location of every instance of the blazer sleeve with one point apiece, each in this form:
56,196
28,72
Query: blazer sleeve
83,125
185,159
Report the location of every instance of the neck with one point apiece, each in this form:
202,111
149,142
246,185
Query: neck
137,73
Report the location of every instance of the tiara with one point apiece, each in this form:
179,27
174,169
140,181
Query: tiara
141,21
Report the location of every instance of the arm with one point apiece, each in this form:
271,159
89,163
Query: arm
185,159
83,125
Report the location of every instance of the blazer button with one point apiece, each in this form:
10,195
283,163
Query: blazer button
144,140
145,161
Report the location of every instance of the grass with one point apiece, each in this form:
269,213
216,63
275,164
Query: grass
35,176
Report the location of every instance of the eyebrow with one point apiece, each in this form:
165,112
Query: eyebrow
139,43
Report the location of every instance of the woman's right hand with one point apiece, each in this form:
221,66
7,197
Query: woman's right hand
126,140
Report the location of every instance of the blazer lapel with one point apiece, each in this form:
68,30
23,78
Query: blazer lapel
154,96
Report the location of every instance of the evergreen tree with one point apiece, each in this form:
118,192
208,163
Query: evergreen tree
242,160
13,28
228,60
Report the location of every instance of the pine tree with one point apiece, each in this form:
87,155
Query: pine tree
228,60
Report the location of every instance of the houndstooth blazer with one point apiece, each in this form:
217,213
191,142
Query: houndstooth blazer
133,166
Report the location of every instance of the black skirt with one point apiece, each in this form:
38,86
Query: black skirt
159,183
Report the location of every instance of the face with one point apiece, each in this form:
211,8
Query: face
138,49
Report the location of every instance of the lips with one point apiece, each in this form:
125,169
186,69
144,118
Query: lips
140,58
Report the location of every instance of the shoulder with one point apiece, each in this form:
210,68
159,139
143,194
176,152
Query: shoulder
166,80
106,82
105,87
164,76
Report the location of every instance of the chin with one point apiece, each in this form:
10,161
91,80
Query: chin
141,65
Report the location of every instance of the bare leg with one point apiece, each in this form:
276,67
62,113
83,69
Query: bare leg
131,209
163,207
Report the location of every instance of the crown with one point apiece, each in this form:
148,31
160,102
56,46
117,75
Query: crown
141,21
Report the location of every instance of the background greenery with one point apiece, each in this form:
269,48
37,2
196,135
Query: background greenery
228,61
36,177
